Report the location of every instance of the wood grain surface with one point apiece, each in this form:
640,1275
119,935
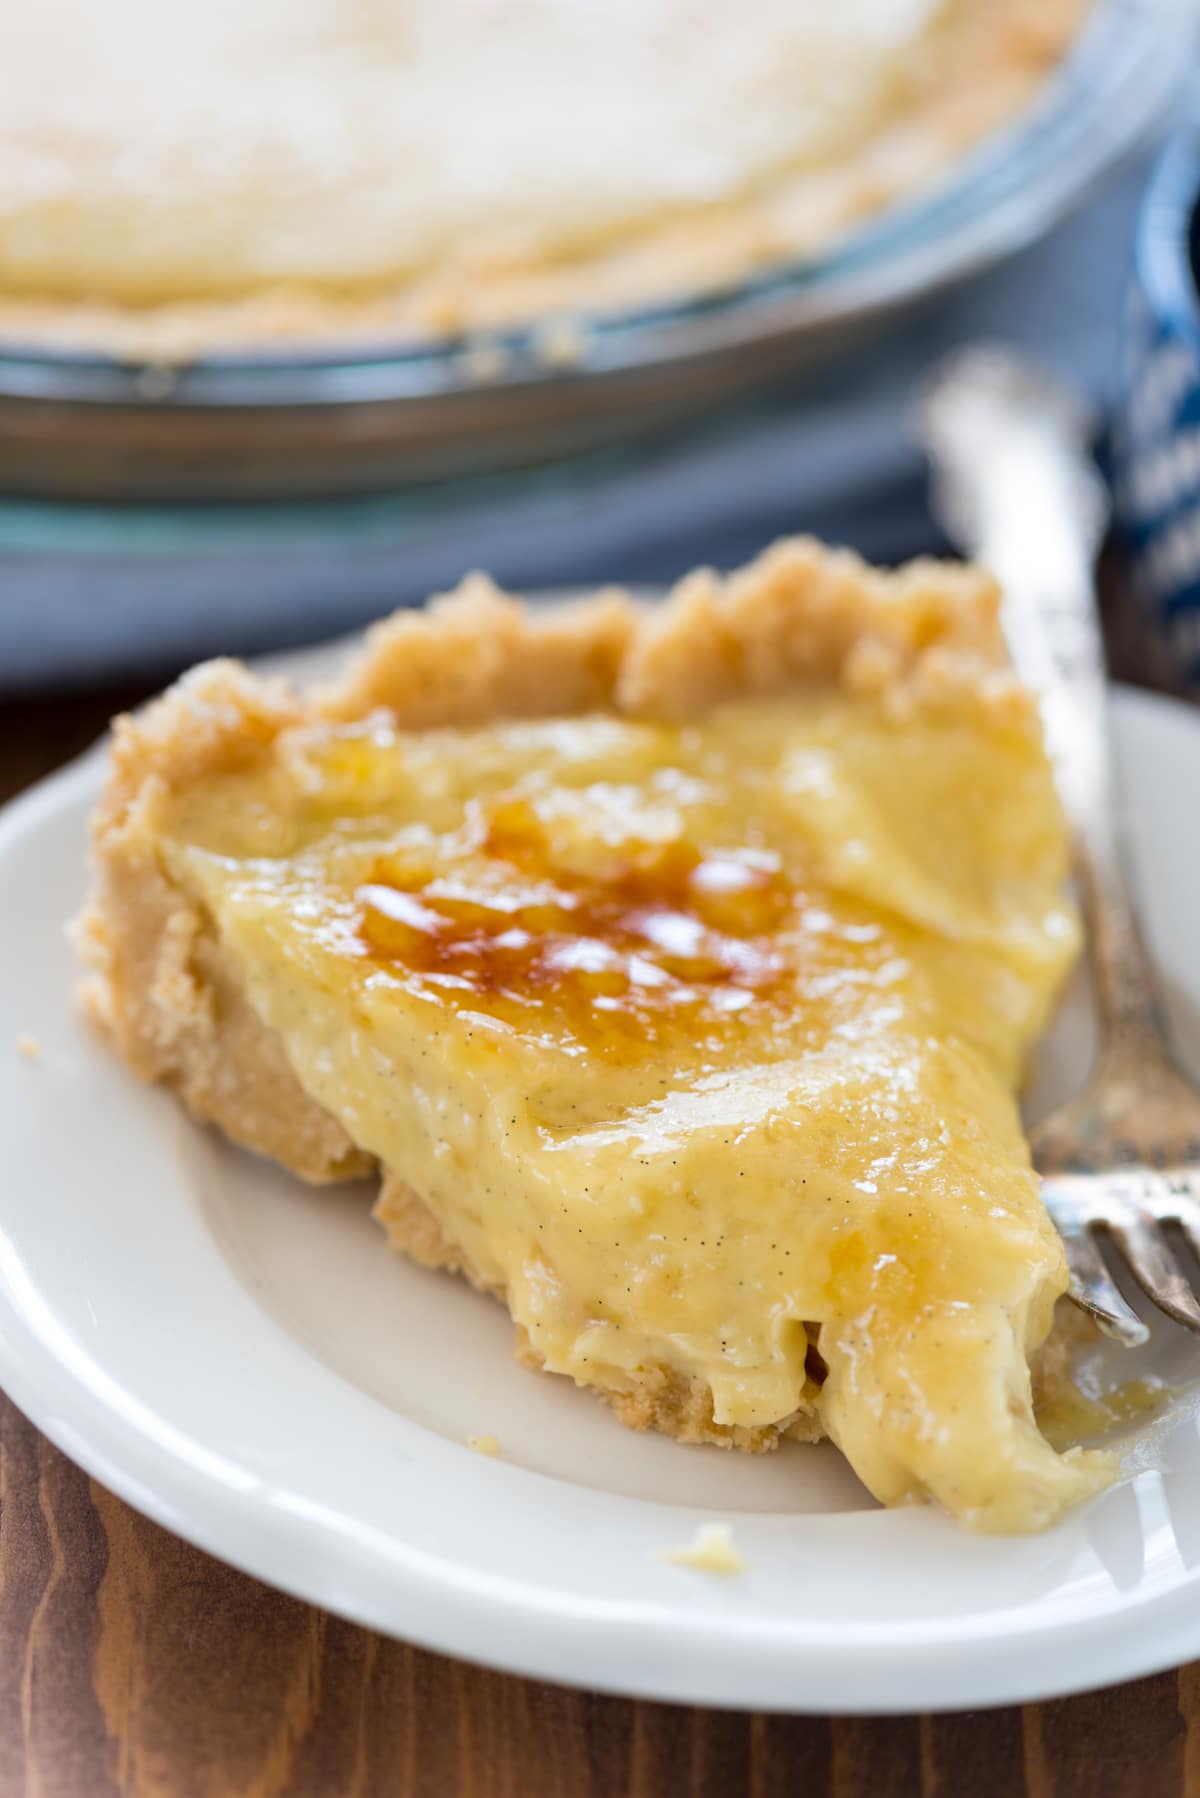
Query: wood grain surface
132,1663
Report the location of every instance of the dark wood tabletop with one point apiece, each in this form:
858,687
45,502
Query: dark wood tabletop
133,1663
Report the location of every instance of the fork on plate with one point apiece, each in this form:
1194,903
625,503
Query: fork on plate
1015,483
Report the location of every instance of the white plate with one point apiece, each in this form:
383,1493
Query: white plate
243,1360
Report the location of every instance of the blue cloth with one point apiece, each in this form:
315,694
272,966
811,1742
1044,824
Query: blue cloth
90,594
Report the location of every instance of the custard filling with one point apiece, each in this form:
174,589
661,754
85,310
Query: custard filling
699,1040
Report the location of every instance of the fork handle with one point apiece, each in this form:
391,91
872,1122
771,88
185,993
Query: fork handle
1015,478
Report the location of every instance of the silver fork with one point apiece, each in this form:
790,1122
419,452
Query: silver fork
1015,484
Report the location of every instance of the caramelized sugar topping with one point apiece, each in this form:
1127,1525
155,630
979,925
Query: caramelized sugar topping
642,928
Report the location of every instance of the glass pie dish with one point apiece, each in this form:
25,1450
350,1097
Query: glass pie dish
338,419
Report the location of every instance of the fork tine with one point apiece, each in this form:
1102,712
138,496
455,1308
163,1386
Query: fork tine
1093,1287
1186,1213
1148,1256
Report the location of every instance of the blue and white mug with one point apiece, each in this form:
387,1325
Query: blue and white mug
1156,431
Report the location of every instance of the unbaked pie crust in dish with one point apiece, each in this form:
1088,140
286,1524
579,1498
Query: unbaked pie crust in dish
182,177
672,968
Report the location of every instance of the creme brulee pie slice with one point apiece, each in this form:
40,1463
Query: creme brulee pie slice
675,969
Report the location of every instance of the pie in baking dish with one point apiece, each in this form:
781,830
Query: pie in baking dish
673,968
180,175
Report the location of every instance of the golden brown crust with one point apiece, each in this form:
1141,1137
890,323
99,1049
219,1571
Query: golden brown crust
679,1405
166,992
985,65
925,634
477,654
802,613
160,985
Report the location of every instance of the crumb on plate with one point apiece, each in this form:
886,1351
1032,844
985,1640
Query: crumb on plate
484,1445
711,1551
29,1047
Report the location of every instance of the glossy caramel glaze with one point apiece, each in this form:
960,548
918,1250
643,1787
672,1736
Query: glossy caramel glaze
660,936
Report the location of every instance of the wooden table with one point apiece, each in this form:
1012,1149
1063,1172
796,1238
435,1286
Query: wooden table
130,1662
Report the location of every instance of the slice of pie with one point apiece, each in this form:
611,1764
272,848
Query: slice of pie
181,177
673,967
